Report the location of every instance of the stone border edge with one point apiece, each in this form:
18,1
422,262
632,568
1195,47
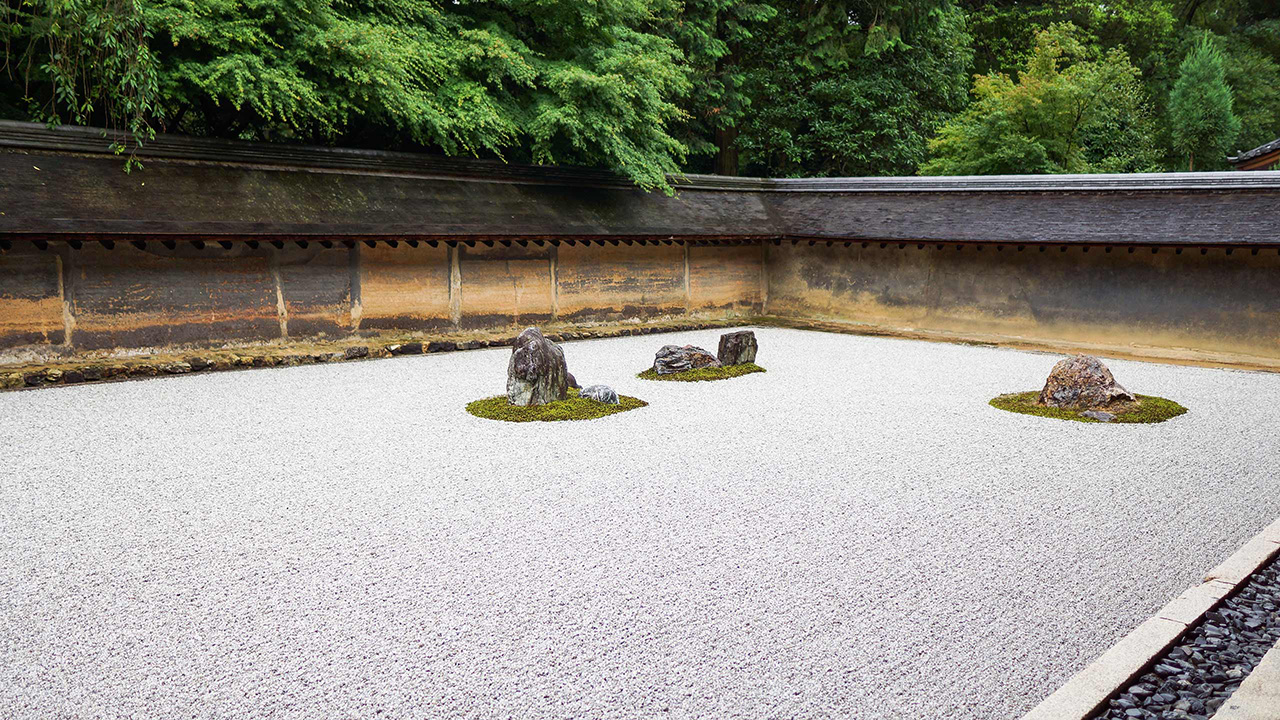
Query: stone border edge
1085,694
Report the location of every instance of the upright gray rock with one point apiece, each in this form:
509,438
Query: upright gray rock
601,393
677,358
536,374
737,348
1081,383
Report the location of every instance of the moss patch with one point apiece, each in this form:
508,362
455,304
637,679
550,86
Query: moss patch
704,374
1148,409
571,408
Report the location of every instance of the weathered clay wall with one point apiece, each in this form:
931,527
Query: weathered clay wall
129,297
1168,303
30,297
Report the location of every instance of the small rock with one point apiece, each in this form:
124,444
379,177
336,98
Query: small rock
73,376
359,351
536,373
198,363
444,346
676,358
1098,415
112,371
175,368
34,379
1082,383
737,348
573,382
143,370
11,380
601,393
413,348
472,345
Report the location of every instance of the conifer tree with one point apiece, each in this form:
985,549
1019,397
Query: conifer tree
1202,119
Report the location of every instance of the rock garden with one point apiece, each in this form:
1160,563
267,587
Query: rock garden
853,534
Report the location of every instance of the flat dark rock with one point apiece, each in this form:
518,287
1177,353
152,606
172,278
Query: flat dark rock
678,358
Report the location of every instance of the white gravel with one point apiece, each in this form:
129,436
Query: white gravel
854,534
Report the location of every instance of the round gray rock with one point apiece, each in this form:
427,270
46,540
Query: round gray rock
601,393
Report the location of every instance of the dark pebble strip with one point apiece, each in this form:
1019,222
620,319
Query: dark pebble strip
1194,678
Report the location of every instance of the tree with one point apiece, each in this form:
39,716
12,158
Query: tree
569,82
853,88
712,34
1200,107
81,61
1071,109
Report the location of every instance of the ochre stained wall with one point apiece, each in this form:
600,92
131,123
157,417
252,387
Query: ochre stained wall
402,287
1158,304
127,297
608,282
30,297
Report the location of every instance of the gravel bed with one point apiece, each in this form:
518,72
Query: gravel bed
1194,678
854,534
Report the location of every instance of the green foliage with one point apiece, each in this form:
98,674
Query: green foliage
650,88
712,33
1254,78
853,88
1071,110
557,82
85,62
571,408
1005,32
1149,409
704,374
1200,108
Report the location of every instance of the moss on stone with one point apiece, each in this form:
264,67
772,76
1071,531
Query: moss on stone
1148,409
571,408
704,374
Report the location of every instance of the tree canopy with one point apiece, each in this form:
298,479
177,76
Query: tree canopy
1071,110
651,88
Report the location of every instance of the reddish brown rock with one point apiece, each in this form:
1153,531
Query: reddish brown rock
1083,383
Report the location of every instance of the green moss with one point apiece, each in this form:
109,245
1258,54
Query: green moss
571,408
1148,409
704,374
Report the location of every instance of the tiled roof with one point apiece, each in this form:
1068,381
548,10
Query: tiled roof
1256,152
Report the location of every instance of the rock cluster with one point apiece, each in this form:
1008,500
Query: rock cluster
737,348
536,373
601,393
678,358
1194,679
1082,383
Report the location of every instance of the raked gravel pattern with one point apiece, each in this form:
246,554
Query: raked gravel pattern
853,534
